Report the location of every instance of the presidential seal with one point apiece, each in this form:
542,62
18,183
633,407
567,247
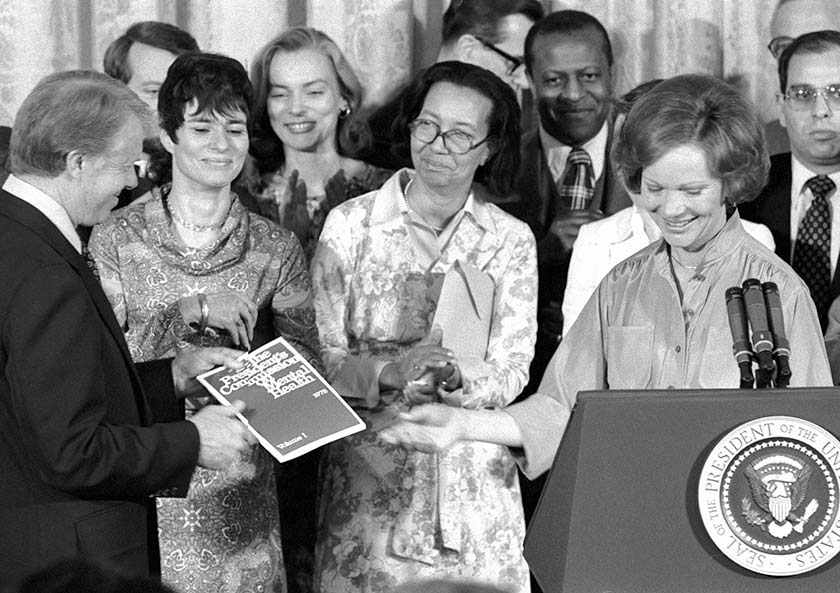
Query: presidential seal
768,495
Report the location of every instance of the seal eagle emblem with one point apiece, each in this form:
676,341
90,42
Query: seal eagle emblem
778,484
768,495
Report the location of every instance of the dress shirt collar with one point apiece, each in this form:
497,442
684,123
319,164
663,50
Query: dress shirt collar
556,152
54,211
800,175
387,209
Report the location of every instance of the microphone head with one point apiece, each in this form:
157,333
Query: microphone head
734,293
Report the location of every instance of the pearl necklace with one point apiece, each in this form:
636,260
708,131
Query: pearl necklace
438,230
191,226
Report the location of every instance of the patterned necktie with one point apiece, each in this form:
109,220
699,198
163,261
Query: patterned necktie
812,253
576,187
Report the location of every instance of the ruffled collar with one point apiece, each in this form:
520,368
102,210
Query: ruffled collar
228,250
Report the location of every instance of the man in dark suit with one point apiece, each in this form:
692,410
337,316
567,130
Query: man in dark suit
86,438
568,58
803,183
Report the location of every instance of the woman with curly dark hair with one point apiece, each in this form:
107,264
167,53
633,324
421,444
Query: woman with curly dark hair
189,265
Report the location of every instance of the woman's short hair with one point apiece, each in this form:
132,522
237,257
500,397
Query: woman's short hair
352,133
218,84
500,170
76,110
702,111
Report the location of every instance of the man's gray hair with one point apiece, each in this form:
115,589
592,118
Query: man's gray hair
79,110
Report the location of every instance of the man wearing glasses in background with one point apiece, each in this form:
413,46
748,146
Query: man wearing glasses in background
793,18
487,33
800,204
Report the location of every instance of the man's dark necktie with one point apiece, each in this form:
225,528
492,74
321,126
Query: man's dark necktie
812,253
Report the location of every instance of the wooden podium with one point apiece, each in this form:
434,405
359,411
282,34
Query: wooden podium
619,511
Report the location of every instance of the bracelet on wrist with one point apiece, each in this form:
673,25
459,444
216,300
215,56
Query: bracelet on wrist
205,312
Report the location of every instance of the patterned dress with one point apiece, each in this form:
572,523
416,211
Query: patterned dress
267,195
225,536
388,515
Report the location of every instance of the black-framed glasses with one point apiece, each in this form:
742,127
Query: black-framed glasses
515,63
778,45
803,97
455,141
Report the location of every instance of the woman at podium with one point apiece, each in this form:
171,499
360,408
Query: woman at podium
690,150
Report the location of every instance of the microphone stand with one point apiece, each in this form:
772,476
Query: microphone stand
741,346
762,339
781,353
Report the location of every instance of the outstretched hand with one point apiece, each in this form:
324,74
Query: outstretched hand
428,428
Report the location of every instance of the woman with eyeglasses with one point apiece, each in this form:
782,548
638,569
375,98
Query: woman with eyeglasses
305,131
389,514
689,148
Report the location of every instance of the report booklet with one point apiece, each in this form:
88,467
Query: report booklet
291,408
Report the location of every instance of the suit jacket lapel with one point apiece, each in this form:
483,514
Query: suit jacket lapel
33,219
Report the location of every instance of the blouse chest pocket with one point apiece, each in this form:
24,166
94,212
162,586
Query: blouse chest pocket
718,367
629,357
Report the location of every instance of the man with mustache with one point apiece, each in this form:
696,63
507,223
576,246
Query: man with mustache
800,204
569,62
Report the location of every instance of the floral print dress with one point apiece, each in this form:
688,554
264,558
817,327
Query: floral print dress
225,535
388,515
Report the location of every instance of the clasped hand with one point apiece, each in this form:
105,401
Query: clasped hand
424,369
566,225
295,211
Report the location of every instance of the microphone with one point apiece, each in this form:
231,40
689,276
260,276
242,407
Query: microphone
777,328
741,346
762,339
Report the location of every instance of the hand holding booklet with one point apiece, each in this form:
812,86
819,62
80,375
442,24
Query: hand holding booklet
291,408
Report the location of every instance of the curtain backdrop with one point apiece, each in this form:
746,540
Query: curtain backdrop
386,40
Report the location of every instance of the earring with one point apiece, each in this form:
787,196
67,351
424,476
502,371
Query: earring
344,111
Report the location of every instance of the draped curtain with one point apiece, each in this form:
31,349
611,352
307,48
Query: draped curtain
387,40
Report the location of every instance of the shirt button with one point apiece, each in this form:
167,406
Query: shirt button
689,312
678,348
671,387
699,277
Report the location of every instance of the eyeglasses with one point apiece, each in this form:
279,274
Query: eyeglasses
455,141
801,98
515,63
778,45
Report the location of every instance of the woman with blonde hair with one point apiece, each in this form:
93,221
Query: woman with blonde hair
305,132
